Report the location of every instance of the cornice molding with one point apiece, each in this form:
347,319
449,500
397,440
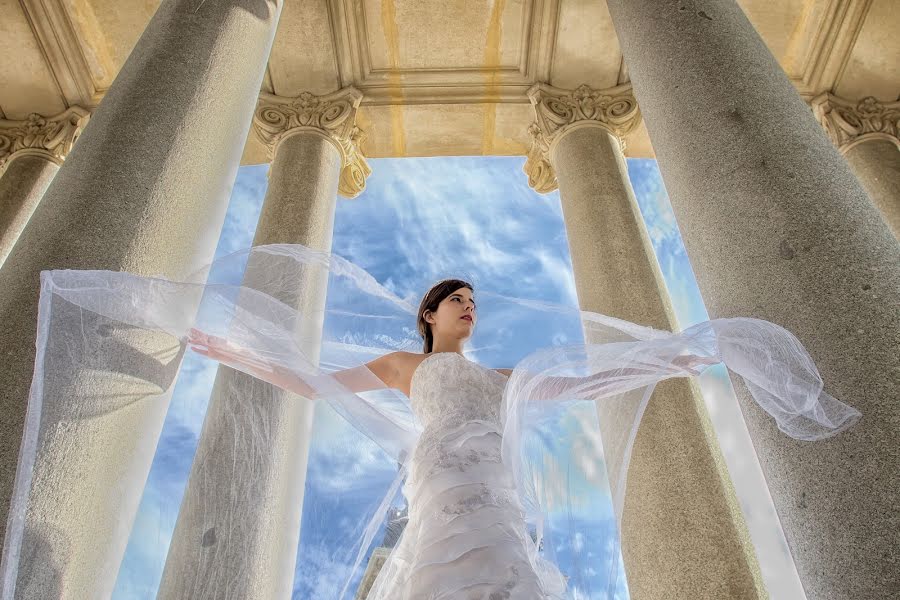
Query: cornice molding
559,111
58,41
849,123
461,85
49,137
332,116
833,43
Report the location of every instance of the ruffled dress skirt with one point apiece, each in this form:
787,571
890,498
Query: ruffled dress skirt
466,537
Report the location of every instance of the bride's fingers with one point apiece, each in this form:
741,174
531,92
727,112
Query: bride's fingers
212,352
255,363
234,358
220,342
199,337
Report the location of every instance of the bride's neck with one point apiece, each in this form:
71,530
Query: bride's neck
447,346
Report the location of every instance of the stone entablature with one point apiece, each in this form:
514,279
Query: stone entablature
426,73
849,123
332,116
559,111
49,137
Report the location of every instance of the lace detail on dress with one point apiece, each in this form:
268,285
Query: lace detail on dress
448,397
457,391
443,457
484,497
466,537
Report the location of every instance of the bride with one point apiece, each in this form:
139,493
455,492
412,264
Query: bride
466,536
500,468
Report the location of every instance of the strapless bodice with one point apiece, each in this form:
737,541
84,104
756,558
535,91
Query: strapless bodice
447,390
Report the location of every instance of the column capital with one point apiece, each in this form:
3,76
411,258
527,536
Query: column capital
559,111
332,116
49,137
849,123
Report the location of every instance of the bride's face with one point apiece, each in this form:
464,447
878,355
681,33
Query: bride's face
452,312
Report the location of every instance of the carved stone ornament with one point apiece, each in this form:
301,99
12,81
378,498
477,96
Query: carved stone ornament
558,111
332,116
50,137
541,176
850,123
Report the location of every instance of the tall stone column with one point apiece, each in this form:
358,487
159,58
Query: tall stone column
866,133
239,522
683,534
31,152
144,190
777,227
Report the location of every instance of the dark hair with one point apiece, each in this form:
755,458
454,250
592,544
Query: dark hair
430,302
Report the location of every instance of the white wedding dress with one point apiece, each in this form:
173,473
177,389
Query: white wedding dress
466,537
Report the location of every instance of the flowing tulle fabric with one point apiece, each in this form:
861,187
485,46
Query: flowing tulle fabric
569,412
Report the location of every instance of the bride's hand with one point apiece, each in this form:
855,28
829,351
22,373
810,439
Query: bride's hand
236,357
690,362
224,351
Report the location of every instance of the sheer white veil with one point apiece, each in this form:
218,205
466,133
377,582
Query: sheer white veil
570,408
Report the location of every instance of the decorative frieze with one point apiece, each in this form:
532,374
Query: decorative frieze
849,123
50,137
332,116
559,111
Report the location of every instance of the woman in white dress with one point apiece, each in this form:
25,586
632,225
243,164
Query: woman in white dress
466,538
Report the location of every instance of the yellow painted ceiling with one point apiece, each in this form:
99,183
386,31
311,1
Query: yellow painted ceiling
440,77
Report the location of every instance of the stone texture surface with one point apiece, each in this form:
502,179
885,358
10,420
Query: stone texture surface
558,111
867,133
683,534
22,186
777,227
332,116
31,151
877,165
239,522
144,190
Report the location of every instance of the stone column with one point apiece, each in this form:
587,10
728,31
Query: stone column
31,152
240,517
866,133
683,534
777,227
144,190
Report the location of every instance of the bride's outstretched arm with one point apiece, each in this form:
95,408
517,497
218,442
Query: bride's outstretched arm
679,365
355,379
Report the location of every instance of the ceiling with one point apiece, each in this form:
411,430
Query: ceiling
440,77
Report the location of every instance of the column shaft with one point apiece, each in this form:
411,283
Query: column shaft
877,165
239,521
144,190
682,531
778,228
22,186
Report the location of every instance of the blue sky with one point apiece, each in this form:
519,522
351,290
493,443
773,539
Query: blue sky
415,216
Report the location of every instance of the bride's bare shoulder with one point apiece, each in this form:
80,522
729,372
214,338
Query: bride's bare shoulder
395,369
